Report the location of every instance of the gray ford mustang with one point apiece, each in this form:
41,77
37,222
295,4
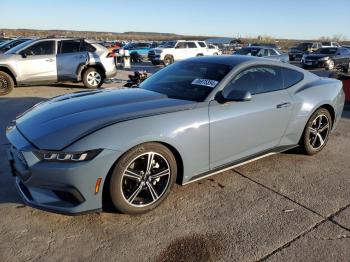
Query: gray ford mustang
190,120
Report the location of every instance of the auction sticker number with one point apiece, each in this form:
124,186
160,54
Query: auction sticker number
205,82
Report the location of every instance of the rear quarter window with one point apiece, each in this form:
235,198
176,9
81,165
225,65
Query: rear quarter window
291,77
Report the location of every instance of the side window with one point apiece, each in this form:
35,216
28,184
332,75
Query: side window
181,45
70,46
344,51
273,52
257,80
263,52
191,45
86,47
291,77
211,47
201,44
41,48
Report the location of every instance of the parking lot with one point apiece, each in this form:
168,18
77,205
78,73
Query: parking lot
287,207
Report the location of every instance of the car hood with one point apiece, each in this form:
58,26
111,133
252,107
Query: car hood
56,123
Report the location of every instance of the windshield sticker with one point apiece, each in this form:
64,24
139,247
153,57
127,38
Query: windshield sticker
205,82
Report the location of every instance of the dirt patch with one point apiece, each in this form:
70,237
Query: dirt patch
191,248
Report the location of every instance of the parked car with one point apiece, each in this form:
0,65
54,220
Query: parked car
186,122
298,51
139,51
177,50
11,44
55,60
330,44
275,46
329,58
261,51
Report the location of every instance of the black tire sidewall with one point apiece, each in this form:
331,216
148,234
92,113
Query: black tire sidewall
10,84
86,83
305,141
116,177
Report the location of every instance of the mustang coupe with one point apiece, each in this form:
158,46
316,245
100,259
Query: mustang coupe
188,121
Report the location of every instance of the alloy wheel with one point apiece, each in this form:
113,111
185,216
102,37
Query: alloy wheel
94,78
3,83
319,131
145,179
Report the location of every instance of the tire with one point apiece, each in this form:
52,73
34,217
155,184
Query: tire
135,191
93,78
215,54
6,83
199,55
311,141
346,68
168,60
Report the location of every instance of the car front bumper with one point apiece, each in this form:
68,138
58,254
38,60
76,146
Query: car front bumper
66,188
314,63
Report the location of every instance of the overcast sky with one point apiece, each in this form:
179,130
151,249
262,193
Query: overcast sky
298,19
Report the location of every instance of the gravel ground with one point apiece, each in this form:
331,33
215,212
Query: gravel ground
287,207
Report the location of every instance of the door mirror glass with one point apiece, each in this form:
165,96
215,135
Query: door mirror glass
234,95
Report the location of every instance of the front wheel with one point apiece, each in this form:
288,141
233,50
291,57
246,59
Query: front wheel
6,83
142,178
93,78
168,60
317,132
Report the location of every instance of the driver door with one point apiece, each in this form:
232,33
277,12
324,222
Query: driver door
243,129
181,51
37,63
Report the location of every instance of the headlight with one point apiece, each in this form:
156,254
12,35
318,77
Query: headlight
10,126
324,58
57,156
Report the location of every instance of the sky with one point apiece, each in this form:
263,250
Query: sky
298,19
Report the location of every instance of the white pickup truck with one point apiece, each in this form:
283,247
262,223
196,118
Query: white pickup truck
173,51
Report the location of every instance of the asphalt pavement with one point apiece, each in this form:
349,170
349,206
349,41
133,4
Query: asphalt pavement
286,207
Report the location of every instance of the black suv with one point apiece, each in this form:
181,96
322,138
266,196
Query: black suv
298,51
329,58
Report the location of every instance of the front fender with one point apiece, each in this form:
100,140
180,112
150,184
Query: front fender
187,131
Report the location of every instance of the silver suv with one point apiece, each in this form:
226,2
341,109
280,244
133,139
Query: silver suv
55,60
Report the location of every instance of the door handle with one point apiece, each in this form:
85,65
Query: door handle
50,60
283,105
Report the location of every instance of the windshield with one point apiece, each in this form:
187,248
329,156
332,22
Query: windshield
19,47
327,43
187,80
248,51
326,51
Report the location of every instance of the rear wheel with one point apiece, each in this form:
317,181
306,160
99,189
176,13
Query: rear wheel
317,131
93,78
142,178
6,83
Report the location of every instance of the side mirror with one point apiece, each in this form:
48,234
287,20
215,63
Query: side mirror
23,54
233,95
